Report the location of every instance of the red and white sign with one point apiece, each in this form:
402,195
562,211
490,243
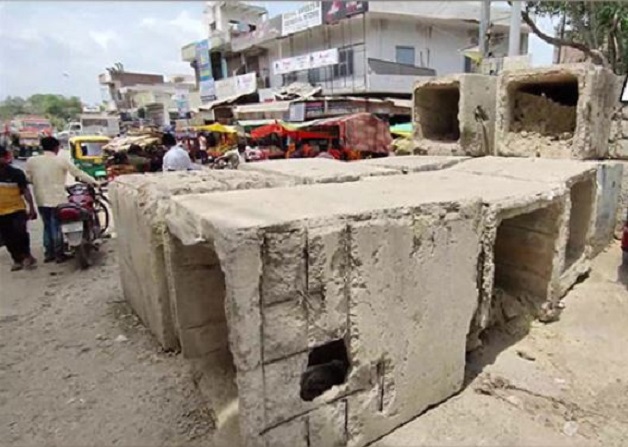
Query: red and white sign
317,59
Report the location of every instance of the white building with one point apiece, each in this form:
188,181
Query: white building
377,47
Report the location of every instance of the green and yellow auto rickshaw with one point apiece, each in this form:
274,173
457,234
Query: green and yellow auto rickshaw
86,152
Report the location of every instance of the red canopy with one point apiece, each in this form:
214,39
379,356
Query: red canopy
276,128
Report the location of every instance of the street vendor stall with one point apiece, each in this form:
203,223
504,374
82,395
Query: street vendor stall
148,140
293,137
219,138
360,135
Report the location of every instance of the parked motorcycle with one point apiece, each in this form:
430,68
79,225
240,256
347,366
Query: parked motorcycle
80,220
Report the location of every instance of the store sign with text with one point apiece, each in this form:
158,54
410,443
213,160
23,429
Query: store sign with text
206,81
317,59
236,86
307,16
335,11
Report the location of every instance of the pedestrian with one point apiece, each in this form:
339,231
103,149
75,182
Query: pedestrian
48,174
176,158
14,215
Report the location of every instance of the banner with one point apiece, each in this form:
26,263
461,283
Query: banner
181,98
308,16
270,29
236,86
335,11
206,82
317,59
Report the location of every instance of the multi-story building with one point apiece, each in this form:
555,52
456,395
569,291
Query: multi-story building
357,48
115,79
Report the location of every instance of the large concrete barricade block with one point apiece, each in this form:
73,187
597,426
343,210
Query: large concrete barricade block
454,115
563,111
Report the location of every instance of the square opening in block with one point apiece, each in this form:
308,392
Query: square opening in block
546,106
437,108
523,257
582,195
327,366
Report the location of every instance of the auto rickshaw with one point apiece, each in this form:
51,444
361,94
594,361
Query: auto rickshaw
86,152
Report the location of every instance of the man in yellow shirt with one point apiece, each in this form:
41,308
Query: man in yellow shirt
48,174
13,215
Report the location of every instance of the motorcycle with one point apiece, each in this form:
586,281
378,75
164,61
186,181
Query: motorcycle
80,222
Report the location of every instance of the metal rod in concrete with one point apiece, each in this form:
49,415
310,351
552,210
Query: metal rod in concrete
514,39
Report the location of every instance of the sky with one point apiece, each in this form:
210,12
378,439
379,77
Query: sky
62,46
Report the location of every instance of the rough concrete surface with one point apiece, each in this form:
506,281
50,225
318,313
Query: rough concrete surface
454,115
561,111
401,206
318,170
415,163
537,386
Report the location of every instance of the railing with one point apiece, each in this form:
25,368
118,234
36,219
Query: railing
382,67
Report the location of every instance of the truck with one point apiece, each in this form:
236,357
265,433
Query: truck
91,124
24,133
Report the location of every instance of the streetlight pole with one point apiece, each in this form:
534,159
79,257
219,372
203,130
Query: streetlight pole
485,20
514,38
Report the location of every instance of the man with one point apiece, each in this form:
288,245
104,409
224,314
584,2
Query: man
48,174
176,158
13,214
235,157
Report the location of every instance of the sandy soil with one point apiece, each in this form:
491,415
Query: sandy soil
77,368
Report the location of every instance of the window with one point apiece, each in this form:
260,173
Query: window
345,63
319,75
404,55
289,78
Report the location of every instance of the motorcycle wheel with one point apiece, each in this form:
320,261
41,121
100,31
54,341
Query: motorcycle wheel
82,254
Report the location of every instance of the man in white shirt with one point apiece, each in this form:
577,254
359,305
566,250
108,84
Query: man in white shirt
48,174
176,158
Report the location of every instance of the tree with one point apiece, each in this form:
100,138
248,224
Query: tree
598,29
57,108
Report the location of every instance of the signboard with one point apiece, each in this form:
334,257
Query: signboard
307,16
206,81
335,11
624,93
236,85
307,61
182,100
297,112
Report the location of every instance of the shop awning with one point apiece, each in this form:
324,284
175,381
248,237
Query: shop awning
404,130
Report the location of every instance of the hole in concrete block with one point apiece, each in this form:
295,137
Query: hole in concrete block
581,195
437,108
327,366
546,106
523,257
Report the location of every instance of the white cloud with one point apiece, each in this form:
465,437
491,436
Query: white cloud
103,38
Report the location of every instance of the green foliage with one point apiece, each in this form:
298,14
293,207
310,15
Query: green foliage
600,26
57,108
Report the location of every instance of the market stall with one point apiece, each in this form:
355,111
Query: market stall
296,142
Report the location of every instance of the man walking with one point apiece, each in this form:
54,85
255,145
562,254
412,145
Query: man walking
13,214
48,174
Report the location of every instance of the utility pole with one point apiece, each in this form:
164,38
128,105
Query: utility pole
485,21
514,38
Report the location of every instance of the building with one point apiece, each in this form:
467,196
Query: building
115,79
356,48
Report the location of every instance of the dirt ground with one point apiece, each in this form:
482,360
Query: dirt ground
77,368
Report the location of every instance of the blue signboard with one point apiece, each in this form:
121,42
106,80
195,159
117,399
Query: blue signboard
206,81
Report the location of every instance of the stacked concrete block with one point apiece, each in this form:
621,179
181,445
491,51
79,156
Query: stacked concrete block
454,115
558,112
139,203
309,272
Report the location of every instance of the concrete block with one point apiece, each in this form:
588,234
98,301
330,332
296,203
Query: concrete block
328,266
447,113
284,273
327,425
415,163
285,330
318,170
290,434
609,181
561,111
